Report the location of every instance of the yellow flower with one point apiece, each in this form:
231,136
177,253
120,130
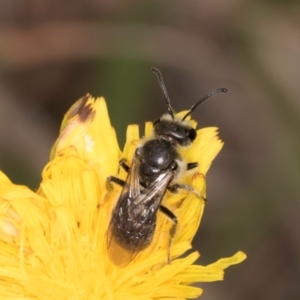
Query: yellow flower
53,241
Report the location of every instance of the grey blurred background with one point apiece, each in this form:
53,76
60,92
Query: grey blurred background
53,52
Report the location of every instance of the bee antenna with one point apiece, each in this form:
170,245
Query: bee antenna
164,90
220,90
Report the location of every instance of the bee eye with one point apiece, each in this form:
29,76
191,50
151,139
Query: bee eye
192,133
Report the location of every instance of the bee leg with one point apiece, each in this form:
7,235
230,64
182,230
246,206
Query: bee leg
177,186
174,219
191,166
113,179
123,164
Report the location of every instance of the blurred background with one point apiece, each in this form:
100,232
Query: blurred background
54,52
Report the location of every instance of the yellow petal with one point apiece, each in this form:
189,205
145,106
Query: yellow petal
86,128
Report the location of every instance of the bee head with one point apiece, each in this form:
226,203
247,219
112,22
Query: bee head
172,127
177,130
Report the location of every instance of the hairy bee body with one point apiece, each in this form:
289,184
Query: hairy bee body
155,168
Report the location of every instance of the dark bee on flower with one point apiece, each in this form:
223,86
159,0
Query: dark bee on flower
156,167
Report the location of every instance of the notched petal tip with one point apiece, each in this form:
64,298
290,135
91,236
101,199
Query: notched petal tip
86,128
226,262
83,108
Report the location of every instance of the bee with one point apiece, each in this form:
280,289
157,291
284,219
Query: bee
155,168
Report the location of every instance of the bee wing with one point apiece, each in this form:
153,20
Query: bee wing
131,189
154,193
157,189
132,186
